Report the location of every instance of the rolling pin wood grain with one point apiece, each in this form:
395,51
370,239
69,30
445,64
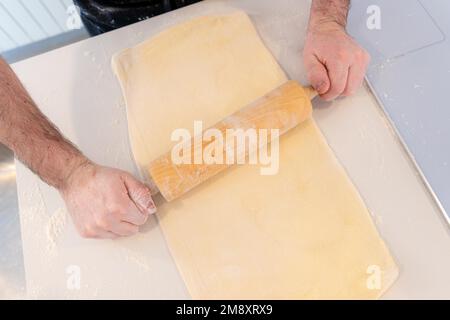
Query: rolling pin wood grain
283,109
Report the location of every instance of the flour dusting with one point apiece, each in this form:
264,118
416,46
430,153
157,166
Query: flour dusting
55,227
8,291
138,260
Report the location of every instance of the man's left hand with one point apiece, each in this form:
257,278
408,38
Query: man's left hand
334,62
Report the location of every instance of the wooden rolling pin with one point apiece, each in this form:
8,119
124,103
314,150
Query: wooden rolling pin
283,108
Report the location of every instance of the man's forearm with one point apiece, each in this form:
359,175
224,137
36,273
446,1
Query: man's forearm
329,12
32,137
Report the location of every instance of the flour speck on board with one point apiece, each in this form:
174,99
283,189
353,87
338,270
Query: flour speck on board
55,227
137,259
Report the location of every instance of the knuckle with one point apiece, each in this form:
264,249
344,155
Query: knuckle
342,55
83,233
363,56
117,215
87,233
117,210
121,214
337,89
367,56
104,223
316,77
331,95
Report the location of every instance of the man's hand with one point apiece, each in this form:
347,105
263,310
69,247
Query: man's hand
334,62
105,202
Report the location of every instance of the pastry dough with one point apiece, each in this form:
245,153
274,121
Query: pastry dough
303,233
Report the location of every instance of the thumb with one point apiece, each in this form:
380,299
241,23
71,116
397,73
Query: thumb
318,76
139,194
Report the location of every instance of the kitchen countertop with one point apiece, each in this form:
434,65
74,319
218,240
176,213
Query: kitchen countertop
12,276
75,87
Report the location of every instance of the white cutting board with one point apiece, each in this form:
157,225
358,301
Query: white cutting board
75,87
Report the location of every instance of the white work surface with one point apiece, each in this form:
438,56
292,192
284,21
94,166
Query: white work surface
75,87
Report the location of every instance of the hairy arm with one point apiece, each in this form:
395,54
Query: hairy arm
329,11
35,141
103,202
334,62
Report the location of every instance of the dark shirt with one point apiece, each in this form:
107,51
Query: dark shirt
101,16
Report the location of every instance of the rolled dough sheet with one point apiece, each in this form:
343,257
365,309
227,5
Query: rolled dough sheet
302,233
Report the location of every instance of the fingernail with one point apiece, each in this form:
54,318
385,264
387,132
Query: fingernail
152,209
319,87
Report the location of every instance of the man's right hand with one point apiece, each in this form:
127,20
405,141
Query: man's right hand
106,203
103,202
